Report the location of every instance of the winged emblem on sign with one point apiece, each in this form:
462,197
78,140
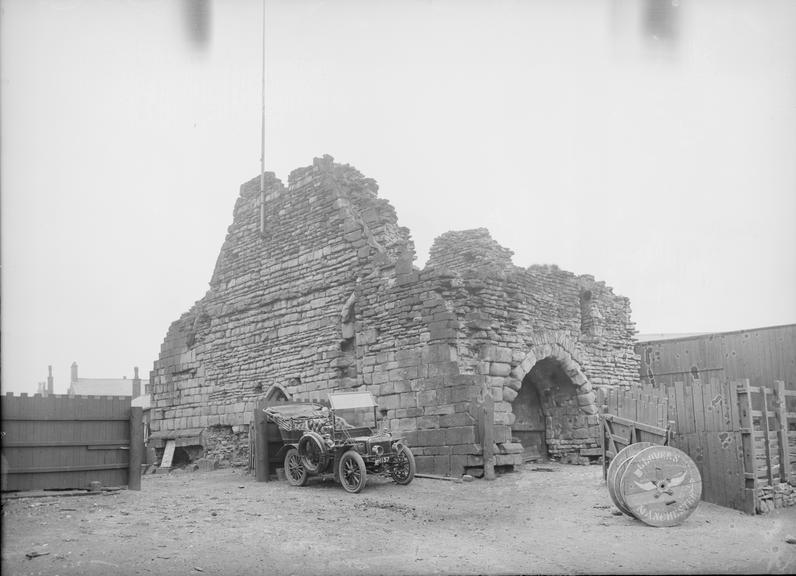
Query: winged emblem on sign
662,486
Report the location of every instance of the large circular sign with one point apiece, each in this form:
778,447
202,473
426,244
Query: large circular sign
612,478
660,486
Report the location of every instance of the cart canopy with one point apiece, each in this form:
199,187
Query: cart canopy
345,400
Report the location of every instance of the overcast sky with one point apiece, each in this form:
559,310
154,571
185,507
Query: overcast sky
651,144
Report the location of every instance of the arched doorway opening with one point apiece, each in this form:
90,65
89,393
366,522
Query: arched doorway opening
276,393
544,408
529,424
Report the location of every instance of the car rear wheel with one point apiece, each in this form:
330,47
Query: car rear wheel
403,470
313,452
295,472
353,474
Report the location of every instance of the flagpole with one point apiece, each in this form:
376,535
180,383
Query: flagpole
262,136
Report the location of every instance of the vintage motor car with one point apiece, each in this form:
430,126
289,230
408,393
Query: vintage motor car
339,441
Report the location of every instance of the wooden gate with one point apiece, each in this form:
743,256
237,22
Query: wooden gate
529,423
630,416
62,442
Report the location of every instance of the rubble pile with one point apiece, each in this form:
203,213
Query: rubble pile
779,495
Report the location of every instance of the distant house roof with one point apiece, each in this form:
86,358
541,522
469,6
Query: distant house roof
103,387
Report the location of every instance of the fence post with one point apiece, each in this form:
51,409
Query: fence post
488,437
781,412
136,448
602,445
749,449
261,443
764,424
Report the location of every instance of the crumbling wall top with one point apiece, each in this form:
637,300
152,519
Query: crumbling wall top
462,250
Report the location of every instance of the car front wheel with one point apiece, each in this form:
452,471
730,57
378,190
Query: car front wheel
403,469
353,474
295,472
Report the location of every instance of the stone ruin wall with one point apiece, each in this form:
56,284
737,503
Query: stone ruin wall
328,298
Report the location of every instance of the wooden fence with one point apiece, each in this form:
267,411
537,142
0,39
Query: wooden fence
741,437
62,442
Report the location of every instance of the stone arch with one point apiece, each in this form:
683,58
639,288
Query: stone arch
276,392
561,348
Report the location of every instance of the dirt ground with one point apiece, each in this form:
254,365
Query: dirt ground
544,518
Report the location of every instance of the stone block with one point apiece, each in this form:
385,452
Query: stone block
499,369
402,374
457,464
437,450
407,400
438,352
509,394
442,465
458,380
457,419
460,435
508,459
389,402
441,410
528,363
443,369
466,449
501,433
404,386
424,464
410,437
404,358
427,422
579,379
434,437
427,398
502,407
462,394
475,460
510,448
512,383
474,471
412,412
505,418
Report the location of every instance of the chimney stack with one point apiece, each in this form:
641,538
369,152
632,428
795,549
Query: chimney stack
50,380
136,383
74,372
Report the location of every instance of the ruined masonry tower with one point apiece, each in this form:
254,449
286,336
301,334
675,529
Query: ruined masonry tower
326,297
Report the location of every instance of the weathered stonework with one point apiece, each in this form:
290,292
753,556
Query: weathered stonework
326,297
